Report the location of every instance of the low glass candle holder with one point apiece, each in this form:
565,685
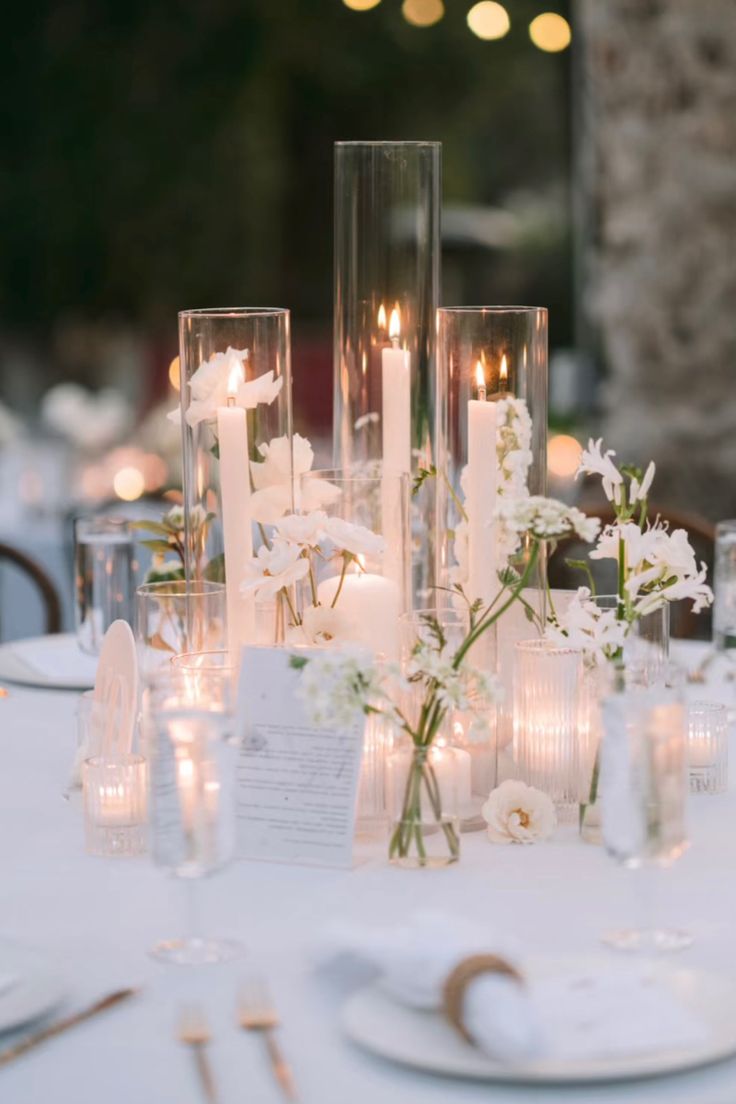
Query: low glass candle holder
548,705
707,747
176,617
358,585
115,807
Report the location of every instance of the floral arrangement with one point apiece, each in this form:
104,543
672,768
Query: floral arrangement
443,676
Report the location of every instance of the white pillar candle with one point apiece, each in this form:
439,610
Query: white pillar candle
481,495
371,607
396,425
232,439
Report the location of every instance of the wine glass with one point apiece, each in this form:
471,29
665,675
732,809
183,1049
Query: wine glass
191,799
643,786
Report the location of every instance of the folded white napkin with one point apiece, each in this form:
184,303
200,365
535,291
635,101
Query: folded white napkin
569,1013
57,657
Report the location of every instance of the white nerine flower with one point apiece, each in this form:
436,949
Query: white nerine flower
517,813
546,518
306,530
274,568
595,462
354,538
597,632
639,491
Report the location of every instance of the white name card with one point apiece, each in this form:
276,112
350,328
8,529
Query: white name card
296,784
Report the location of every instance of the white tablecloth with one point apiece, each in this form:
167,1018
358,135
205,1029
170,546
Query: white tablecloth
96,918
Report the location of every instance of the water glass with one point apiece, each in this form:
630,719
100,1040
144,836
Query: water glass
724,585
707,747
104,577
115,805
643,790
192,799
177,616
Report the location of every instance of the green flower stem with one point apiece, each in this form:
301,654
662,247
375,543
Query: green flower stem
346,558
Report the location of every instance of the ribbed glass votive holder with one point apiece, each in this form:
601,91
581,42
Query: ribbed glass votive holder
707,746
115,806
548,702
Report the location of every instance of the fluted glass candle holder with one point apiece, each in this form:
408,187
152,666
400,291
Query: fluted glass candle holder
358,583
237,446
549,703
387,276
707,747
115,813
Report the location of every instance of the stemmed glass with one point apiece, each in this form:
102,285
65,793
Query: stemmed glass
191,799
644,790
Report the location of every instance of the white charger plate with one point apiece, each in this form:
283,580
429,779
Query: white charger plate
32,989
15,668
426,1041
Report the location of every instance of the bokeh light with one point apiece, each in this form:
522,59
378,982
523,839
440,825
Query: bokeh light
361,5
488,20
563,455
422,13
550,32
174,373
129,484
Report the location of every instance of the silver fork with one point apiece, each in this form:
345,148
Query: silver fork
257,1012
194,1032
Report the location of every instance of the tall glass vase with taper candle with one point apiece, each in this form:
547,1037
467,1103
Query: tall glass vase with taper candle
387,276
436,678
491,454
235,415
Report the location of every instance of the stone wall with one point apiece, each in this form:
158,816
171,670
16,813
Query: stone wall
656,172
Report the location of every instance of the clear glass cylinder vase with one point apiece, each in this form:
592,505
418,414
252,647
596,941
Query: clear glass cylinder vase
548,721
422,803
237,448
357,587
387,278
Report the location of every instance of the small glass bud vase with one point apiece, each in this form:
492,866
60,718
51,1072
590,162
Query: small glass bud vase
548,702
387,279
422,800
237,450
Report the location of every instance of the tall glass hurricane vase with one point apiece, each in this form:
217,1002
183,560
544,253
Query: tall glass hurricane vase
387,274
237,447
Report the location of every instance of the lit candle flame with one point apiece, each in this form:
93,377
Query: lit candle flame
234,380
480,377
394,325
503,374
382,317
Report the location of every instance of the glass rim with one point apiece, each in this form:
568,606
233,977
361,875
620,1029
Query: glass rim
372,143
181,588
343,475
412,615
102,519
177,663
235,312
702,706
97,762
541,644
480,310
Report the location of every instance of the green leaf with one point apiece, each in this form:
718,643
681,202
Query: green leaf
297,662
158,546
152,527
421,477
214,572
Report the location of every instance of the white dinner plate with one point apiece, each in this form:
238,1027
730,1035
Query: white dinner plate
29,987
426,1041
61,663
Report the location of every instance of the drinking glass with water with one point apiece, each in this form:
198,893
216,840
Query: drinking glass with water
104,577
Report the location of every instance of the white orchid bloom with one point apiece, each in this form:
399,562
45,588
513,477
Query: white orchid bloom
596,462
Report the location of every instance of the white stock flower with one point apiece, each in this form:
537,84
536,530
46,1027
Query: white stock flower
354,538
305,530
274,568
594,461
517,813
336,687
546,518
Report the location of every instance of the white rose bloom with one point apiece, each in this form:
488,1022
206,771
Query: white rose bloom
324,625
274,568
517,813
354,538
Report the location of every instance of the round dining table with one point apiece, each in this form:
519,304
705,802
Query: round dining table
93,920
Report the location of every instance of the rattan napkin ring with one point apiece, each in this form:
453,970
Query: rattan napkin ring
456,983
